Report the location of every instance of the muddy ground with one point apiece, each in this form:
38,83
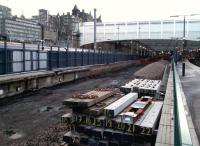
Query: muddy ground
34,119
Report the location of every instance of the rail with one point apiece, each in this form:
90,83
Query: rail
182,135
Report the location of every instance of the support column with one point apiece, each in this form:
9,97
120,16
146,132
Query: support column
95,45
5,57
149,29
161,30
24,57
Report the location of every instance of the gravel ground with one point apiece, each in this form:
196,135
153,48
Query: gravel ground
152,71
34,120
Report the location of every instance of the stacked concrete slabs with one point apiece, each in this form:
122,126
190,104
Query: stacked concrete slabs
143,86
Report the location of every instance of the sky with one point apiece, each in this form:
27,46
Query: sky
110,10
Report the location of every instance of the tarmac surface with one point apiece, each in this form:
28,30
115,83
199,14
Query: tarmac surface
191,87
34,119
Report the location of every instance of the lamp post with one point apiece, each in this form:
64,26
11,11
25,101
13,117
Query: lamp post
139,28
118,33
184,41
117,41
95,21
95,36
9,35
76,35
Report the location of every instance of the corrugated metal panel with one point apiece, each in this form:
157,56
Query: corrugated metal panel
2,56
35,55
43,56
43,64
35,65
9,68
1,68
27,65
27,55
17,56
17,67
91,58
85,58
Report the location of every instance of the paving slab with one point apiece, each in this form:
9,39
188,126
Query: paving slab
166,127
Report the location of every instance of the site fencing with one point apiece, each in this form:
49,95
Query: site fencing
21,57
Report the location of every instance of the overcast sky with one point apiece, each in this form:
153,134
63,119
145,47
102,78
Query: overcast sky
110,10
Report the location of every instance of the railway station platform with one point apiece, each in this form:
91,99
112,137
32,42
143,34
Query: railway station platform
18,83
191,83
187,108
166,127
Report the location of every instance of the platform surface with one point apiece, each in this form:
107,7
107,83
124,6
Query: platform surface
190,93
191,88
166,127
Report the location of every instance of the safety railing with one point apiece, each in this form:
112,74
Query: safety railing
182,135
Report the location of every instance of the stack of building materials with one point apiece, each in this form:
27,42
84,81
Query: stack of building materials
143,86
108,117
90,98
132,86
150,87
98,108
116,107
132,113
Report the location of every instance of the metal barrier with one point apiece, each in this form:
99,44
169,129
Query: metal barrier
182,135
71,59
21,57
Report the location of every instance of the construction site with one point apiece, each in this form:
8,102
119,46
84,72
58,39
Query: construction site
106,107
118,86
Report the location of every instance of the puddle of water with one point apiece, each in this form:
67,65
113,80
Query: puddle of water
12,134
45,109
115,82
58,108
51,108
16,136
9,132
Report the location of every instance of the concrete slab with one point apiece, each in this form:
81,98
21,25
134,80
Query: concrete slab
166,126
